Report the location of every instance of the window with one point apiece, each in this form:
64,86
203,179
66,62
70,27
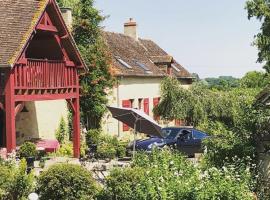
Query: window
146,106
175,68
123,62
186,134
141,65
126,104
198,135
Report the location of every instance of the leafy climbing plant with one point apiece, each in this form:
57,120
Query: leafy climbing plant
97,79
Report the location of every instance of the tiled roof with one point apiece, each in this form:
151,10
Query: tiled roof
145,52
17,19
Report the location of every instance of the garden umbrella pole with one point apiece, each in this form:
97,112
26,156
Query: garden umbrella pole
137,120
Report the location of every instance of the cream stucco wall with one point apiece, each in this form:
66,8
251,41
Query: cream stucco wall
132,88
41,120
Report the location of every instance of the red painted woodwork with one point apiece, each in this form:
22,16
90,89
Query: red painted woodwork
126,104
44,74
155,103
19,108
34,79
146,105
10,113
46,24
76,128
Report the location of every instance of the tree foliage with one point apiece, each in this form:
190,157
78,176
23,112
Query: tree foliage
229,115
260,9
255,79
97,79
222,82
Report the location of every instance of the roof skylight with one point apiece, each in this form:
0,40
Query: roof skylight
123,62
175,68
141,65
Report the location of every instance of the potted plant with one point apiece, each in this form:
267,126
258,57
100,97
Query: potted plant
28,151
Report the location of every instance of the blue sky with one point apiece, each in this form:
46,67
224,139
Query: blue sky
208,37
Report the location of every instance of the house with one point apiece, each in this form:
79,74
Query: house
39,72
139,66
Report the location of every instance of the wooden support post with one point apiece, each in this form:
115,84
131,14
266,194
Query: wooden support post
76,128
10,113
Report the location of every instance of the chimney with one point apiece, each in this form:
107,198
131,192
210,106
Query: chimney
130,29
67,16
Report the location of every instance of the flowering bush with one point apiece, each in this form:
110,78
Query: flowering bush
168,175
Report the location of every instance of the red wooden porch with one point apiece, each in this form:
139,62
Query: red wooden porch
46,68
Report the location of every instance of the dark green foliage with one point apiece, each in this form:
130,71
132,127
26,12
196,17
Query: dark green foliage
66,181
93,137
98,79
228,115
107,146
15,184
255,79
27,149
61,132
260,9
106,151
121,149
222,82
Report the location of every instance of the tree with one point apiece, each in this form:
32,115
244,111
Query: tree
97,79
222,82
255,79
260,9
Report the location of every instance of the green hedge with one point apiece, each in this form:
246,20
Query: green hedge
66,181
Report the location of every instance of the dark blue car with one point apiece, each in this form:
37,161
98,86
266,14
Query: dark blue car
186,139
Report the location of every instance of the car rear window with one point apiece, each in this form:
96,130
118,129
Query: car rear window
198,135
170,133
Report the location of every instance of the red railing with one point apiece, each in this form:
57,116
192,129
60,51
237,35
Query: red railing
44,74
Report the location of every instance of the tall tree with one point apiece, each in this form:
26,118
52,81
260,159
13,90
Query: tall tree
98,79
260,9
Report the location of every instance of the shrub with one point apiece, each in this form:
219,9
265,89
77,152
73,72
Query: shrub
225,183
159,175
66,150
14,182
61,133
66,181
106,146
27,149
106,150
122,183
121,150
168,175
23,183
93,137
